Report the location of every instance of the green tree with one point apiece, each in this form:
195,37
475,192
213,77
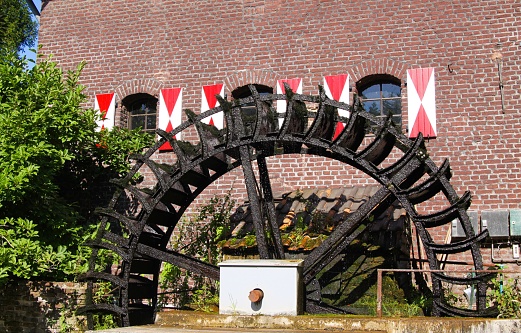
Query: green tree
17,29
54,168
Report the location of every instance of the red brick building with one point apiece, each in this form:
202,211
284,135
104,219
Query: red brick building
135,49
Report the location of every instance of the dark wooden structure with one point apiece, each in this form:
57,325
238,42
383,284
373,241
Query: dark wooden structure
139,237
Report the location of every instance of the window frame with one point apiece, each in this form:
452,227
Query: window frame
381,80
150,101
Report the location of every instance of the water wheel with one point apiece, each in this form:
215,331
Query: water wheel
137,231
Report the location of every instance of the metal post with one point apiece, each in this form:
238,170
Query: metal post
379,293
472,290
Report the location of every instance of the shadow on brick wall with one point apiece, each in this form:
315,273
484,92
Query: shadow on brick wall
32,306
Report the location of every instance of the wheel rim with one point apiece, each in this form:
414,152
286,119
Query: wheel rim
141,236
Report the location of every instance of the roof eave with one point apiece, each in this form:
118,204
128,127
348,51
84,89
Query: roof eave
33,8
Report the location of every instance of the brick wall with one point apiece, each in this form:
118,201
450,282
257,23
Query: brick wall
41,307
156,44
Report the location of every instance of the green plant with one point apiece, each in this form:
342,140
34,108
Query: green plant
394,301
54,169
63,325
398,309
104,294
300,224
205,298
173,281
506,295
250,240
17,29
104,321
451,297
199,238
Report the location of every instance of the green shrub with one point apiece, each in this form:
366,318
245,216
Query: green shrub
506,295
198,238
54,169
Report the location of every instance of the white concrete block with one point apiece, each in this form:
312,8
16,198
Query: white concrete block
279,280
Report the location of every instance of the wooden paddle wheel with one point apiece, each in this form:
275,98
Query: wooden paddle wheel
138,237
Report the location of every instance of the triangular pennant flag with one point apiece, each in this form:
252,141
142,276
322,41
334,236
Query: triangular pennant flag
170,106
421,100
338,130
420,79
337,88
296,87
422,124
105,104
210,92
209,101
294,84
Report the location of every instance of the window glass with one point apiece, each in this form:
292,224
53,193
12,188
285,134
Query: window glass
371,92
381,95
137,122
141,111
393,106
372,107
390,90
151,121
249,110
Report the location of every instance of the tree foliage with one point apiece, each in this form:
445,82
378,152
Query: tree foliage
17,29
54,168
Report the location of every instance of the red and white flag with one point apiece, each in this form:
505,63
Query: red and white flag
105,104
209,102
296,87
421,100
337,88
170,110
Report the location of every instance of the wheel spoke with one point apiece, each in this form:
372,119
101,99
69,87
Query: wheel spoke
253,196
270,206
181,260
341,236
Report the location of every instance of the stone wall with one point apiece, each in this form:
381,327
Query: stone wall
34,307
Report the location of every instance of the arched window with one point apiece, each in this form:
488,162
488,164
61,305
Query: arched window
142,111
244,91
249,110
381,95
